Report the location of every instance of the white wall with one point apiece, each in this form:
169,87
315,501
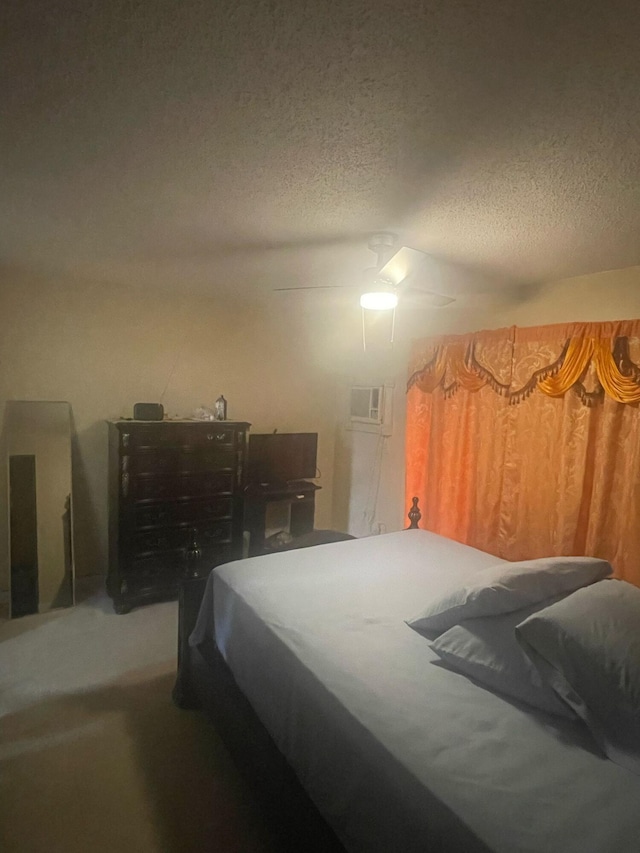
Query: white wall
103,348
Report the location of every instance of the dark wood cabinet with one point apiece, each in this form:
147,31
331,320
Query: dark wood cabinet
167,479
301,500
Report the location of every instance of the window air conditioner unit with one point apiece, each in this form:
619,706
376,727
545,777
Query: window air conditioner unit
367,404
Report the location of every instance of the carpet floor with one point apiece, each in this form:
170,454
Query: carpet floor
93,754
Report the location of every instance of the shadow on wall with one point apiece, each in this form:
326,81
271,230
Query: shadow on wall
342,476
520,294
4,518
89,455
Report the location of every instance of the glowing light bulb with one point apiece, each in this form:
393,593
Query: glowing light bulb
379,300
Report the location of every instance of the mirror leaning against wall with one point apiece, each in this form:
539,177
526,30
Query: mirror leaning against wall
36,567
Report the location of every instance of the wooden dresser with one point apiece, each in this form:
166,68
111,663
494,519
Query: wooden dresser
168,479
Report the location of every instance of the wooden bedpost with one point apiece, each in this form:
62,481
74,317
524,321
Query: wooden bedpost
414,515
193,581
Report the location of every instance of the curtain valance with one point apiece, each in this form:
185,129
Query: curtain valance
555,474
593,359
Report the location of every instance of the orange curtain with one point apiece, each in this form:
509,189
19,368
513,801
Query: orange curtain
517,442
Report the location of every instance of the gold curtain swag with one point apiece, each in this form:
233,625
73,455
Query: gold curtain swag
454,365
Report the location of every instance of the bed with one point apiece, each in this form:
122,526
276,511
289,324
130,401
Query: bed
337,707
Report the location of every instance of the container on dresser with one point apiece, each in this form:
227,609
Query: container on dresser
166,480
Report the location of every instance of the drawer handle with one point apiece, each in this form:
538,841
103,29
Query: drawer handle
216,436
300,497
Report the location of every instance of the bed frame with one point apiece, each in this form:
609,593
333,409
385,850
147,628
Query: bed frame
204,682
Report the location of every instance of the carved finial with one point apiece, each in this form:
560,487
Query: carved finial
414,514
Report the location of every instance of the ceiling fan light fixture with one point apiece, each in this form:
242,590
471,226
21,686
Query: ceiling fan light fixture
381,296
378,301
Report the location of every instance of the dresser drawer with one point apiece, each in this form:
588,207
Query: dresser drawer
162,435
151,460
205,459
220,458
154,515
166,539
188,511
157,541
155,435
177,461
153,488
201,512
211,435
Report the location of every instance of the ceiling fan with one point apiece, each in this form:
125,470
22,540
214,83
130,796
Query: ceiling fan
388,279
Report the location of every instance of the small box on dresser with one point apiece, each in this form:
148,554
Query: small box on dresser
167,479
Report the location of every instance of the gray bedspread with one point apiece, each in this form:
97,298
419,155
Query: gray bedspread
399,753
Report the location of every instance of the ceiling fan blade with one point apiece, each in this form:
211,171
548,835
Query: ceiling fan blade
315,287
401,265
400,270
319,241
406,264
437,299
210,248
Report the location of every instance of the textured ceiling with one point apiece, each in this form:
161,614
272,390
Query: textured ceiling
230,144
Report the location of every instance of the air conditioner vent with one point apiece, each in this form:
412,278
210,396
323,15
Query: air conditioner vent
366,404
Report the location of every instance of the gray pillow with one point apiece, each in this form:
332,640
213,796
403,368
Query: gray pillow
509,586
486,649
587,648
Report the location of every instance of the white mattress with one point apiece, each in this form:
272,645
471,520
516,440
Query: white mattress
397,752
